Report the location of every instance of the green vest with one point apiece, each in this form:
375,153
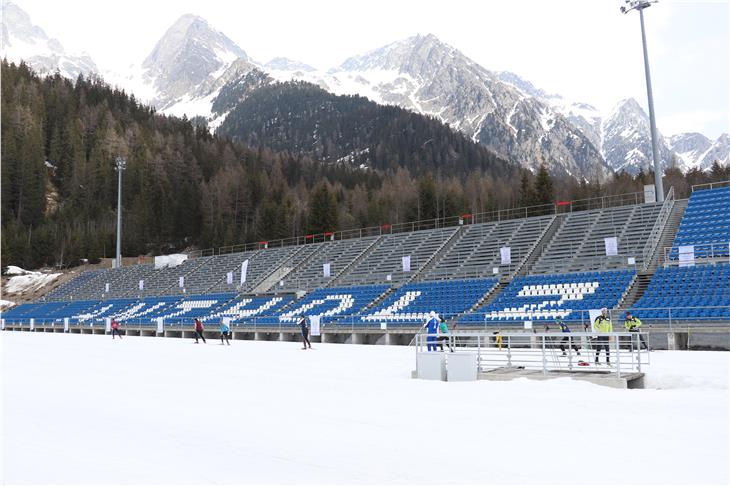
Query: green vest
633,323
603,324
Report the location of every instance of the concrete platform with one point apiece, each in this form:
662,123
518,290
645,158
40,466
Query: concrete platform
604,378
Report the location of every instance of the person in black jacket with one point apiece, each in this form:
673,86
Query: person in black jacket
305,332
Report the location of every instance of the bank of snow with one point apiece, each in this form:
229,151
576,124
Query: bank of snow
87,409
26,280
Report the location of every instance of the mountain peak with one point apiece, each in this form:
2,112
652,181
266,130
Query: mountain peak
411,55
190,52
22,40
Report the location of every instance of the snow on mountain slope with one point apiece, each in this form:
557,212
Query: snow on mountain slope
190,54
22,40
425,75
696,150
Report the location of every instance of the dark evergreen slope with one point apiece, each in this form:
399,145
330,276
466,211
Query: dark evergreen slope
304,119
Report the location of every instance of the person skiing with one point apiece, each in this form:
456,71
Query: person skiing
443,335
565,329
225,329
431,327
199,331
115,329
305,332
603,325
633,324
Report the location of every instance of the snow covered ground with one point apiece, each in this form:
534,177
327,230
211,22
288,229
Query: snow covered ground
26,280
81,409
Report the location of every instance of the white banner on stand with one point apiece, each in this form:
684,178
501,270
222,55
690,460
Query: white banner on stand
32,323
2,324
592,314
384,325
687,256
611,245
495,270
632,261
314,325
528,324
244,270
407,263
141,285
326,270
650,194
108,323
65,324
160,324
106,287
505,254
182,282
229,278
388,277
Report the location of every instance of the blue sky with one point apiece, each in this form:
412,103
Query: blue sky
585,50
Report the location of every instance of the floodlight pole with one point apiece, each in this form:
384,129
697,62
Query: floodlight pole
640,5
121,164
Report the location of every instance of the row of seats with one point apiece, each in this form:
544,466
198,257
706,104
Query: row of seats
705,224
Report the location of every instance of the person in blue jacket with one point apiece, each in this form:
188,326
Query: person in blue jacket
564,328
431,326
224,332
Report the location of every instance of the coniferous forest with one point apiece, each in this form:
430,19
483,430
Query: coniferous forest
185,188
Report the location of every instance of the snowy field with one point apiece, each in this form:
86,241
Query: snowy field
82,409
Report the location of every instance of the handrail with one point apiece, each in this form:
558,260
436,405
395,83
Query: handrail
709,253
658,229
711,184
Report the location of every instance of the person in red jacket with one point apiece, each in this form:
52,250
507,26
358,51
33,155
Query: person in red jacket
199,331
115,329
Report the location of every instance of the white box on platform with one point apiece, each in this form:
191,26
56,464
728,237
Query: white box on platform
431,366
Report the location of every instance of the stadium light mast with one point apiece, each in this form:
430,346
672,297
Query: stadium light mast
640,5
121,165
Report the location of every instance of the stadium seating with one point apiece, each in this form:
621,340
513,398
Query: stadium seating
680,288
705,224
331,304
548,297
411,303
578,245
477,250
245,308
71,288
309,275
386,259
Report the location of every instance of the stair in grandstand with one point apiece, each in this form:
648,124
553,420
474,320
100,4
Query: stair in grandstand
545,238
268,280
436,257
367,251
636,290
670,231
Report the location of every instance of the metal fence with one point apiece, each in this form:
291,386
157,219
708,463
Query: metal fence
621,352
717,317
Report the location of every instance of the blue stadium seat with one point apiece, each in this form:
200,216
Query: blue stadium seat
681,288
411,303
548,297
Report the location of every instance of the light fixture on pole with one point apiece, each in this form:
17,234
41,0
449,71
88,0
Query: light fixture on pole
121,165
640,5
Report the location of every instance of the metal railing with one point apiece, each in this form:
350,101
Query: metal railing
717,252
559,207
712,185
542,351
656,232
709,317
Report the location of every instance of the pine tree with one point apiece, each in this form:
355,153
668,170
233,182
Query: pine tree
544,193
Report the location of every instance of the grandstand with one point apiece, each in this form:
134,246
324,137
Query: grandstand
705,225
558,269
